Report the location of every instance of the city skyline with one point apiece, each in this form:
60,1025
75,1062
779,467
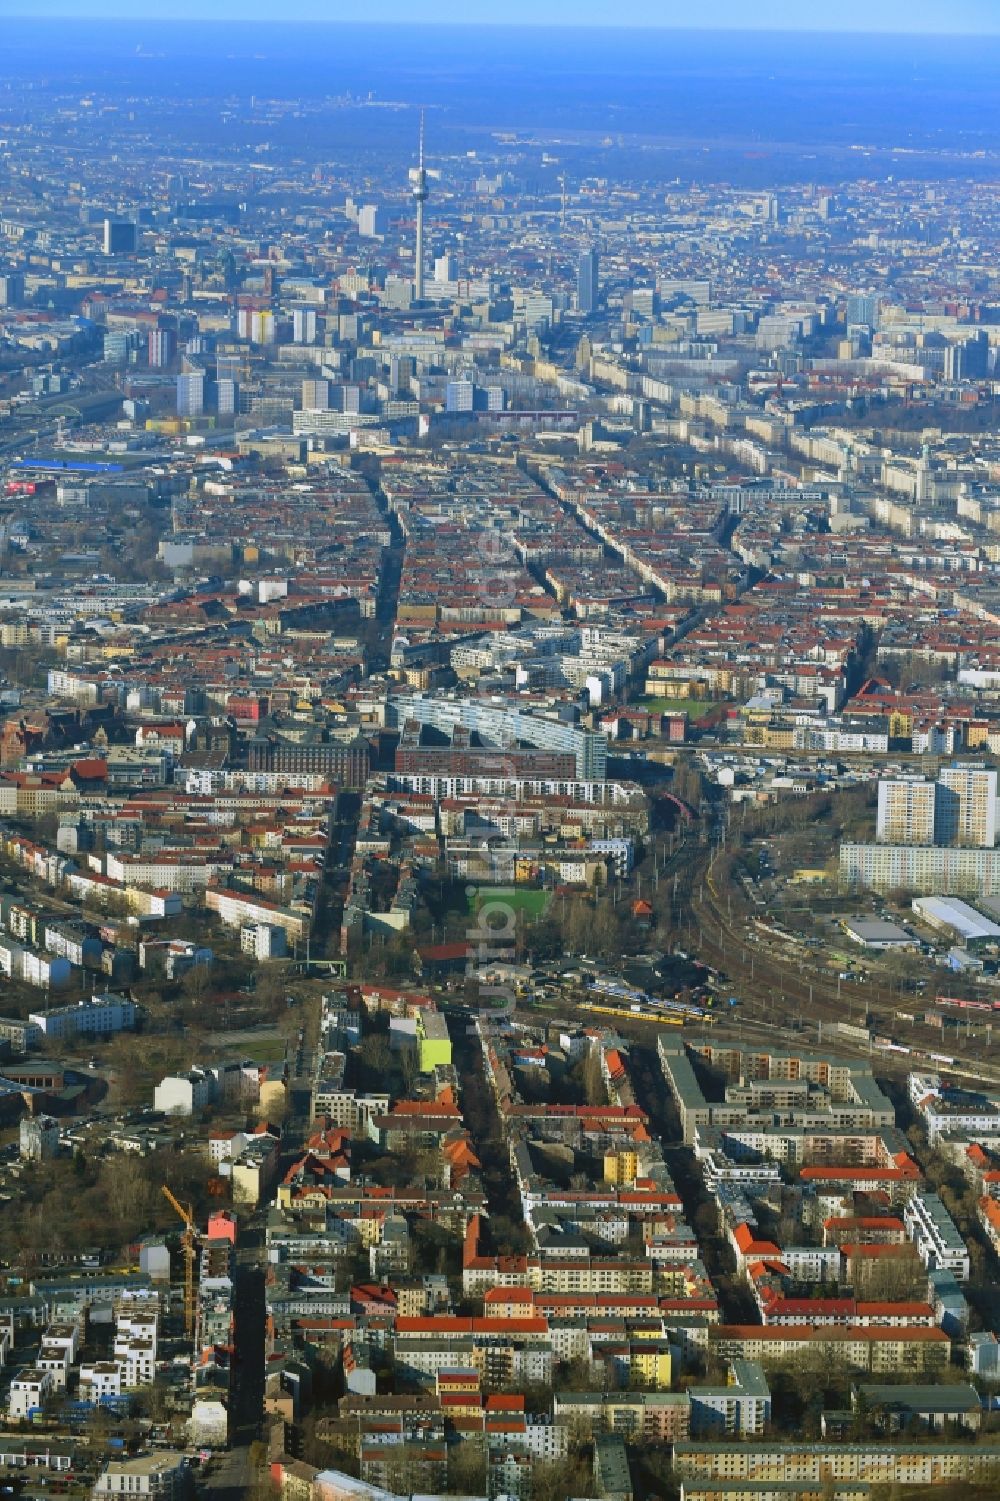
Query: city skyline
921,17
499,751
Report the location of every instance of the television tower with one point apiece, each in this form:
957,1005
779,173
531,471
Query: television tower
419,191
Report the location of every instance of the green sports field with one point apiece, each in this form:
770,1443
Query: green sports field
694,708
531,903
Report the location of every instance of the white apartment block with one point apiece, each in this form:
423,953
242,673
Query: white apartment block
936,1236
263,941
162,1475
137,1358
162,874
741,1409
66,1337
236,910
225,1146
183,1094
137,1323
55,1361
953,1112
32,966
29,1391
100,1378
921,868
100,1017
135,1345
812,1263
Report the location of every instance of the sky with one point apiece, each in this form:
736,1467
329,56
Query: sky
913,17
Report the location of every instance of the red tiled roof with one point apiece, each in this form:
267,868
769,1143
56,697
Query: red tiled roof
449,1324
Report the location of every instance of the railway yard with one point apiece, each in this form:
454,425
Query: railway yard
760,978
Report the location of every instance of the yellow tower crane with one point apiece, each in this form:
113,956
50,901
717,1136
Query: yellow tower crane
189,1250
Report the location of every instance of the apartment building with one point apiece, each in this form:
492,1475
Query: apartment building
653,1417
920,868
102,1016
906,811
740,1409
237,910
875,1349
30,1389
966,807
936,1236
162,1476
100,1379
503,724
873,1463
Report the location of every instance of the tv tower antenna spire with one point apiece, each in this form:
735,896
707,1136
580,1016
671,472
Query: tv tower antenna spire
419,190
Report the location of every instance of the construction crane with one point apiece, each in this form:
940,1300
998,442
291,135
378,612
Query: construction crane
189,1250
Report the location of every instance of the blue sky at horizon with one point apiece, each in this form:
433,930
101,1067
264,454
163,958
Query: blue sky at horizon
913,17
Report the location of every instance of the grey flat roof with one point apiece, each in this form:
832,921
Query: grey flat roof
750,1378
877,930
960,1397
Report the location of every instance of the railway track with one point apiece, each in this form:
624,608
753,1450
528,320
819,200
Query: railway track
790,997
